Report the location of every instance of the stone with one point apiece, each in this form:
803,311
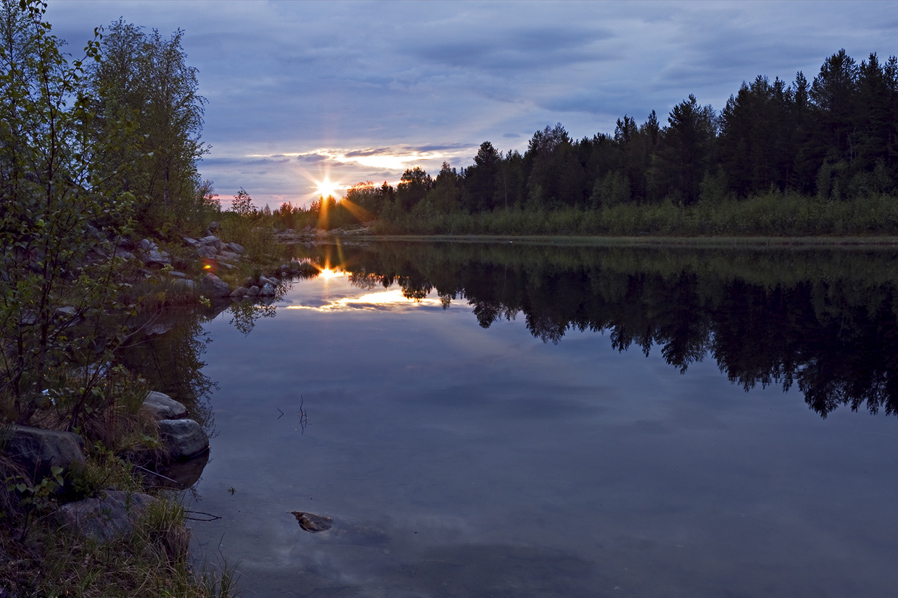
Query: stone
207,252
37,450
229,255
176,274
147,245
267,290
162,406
311,522
184,438
191,241
211,240
105,518
253,291
213,286
125,255
185,286
236,247
154,257
239,293
214,226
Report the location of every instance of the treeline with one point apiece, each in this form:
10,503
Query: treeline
834,139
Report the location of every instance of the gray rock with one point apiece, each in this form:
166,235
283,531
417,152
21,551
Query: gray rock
37,450
253,291
207,252
176,274
213,286
239,293
191,241
214,226
236,247
267,290
184,285
211,240
230,255
154,257
184,438
248,282
162,406
125,255
147,245
105,518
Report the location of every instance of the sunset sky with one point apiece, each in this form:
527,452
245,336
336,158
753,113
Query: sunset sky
298,91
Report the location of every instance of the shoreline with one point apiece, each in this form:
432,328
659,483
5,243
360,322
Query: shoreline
882,241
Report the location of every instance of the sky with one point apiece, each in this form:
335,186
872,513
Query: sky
300,92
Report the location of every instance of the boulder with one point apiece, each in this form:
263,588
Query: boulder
253,291
206,252
267,290
213,286
105,518
211,240
236,247
162,406
185,286
184,438
239,293
214,226
37,450
147,245
191,241
157,258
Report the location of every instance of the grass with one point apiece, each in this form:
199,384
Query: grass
38,558
773,215
151,561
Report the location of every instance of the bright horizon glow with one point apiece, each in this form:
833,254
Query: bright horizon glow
326,188
327,274
379,300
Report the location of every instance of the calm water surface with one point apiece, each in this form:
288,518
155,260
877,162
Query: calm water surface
535,422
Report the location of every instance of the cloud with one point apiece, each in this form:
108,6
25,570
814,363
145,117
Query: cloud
420,83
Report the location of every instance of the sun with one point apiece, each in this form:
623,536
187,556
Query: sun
326,188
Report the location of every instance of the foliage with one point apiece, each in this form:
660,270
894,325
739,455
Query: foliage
61,212
144,79
248,226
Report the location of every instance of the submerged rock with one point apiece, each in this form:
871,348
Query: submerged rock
311,522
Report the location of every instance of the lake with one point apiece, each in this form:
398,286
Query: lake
527,420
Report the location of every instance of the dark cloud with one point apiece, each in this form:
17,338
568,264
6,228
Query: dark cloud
375,78
311,158
381,151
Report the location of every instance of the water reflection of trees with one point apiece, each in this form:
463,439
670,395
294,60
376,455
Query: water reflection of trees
821,320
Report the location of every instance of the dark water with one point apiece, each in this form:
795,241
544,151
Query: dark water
533,421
